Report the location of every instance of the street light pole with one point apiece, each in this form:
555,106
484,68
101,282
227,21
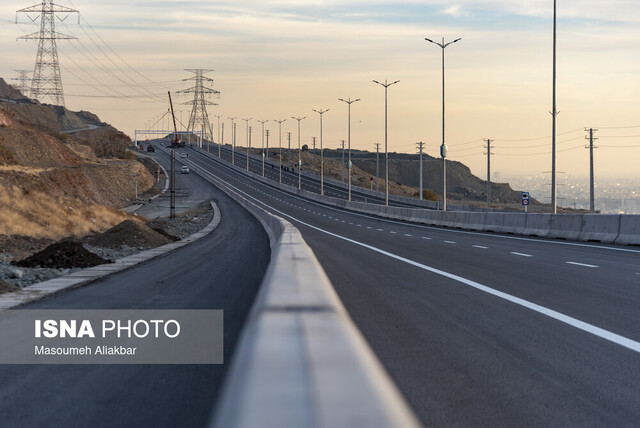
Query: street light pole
247,123
554,113
263,122
233,139
321,112
280,144
443,147
386,149
219,141
349,102
299,152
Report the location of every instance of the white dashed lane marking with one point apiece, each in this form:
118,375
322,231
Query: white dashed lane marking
482,247
521,254
581,264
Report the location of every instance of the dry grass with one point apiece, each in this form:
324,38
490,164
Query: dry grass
36,214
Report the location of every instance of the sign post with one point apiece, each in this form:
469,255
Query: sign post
525,200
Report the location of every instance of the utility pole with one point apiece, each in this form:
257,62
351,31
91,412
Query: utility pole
488,153
592,199
342,160
377,166
280,144
262,149
321,112
420,146
299,119
172,186
199,117
47,81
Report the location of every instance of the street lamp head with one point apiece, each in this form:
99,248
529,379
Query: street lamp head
429,40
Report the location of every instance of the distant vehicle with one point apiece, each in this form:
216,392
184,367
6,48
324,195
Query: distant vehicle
184,170
150,148
184,155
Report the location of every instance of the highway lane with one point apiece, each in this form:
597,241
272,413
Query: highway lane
482,329
190,192
220,271
290,177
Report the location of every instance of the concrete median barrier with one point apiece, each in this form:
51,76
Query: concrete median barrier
566,226
537,225
512,223
600,227
629,230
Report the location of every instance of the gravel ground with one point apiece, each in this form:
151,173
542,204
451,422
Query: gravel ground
180,227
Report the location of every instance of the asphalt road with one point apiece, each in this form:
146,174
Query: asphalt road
220,271
481,329
290,175
190,191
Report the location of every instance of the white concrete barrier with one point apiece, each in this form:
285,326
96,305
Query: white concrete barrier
301,362
512,223
619,229
566,226
600,227
629,230
537,225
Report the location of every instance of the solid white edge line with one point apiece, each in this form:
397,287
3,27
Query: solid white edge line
581,325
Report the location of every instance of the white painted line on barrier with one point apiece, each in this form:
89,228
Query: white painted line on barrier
521,254
581,264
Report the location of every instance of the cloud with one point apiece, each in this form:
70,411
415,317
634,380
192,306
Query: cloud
456,11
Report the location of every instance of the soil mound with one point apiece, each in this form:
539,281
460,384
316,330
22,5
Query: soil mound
63,255
129,233
5,287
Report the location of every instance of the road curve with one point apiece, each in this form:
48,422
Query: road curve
480,329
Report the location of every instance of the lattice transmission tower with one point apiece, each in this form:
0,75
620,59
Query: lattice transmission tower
23,81
46,81
199,119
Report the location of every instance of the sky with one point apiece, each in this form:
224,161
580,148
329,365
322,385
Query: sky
283,58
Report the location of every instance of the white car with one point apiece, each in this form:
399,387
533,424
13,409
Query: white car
184,155
184,170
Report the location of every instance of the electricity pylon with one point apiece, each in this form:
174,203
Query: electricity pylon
46,81
22,79
199,119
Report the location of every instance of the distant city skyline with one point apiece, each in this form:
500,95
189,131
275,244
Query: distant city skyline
281,58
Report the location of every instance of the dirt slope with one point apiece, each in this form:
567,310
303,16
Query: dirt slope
54,185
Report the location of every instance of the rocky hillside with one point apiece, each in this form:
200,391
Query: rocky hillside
53,184
462,185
